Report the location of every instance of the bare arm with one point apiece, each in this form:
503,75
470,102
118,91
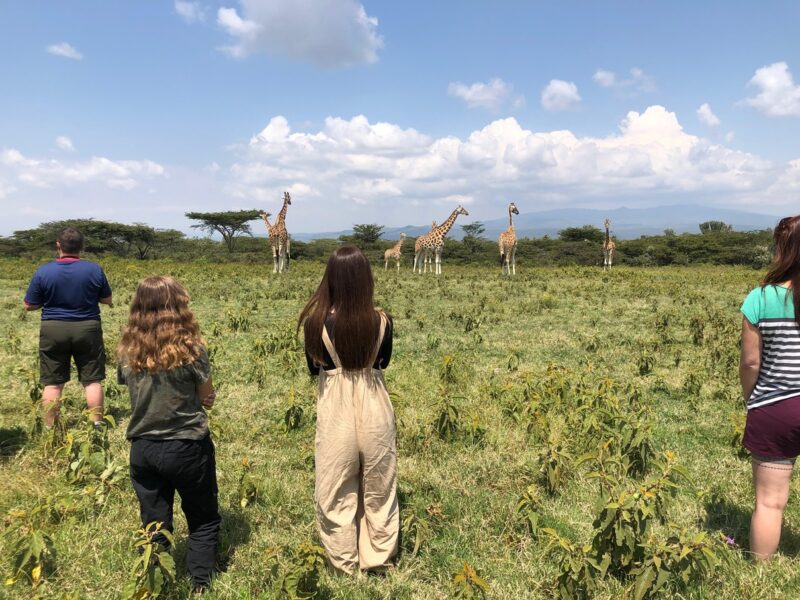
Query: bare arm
32,306
750,360
109,300
207,393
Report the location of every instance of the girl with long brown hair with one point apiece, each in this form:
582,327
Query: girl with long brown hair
163,361
348,344
769,370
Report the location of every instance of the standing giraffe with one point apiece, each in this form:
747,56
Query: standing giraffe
608,247
278,237
508,244
394,252
433,241
418,246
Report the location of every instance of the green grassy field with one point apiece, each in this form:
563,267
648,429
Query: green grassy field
524,366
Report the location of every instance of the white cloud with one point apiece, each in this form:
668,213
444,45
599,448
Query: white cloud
729,137
191,12
778,95
492,94
66,50
64,143
327,33
357,171
560,95
54,173
707,116
639,81
381,171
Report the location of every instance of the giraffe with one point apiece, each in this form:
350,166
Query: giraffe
394,252
418,245
608,247
508,244
433,241
278,237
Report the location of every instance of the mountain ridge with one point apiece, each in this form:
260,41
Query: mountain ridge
626,223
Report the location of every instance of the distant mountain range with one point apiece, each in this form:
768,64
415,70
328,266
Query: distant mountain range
626,223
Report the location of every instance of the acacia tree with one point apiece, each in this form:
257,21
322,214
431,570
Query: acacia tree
473,235
579,234
229,224
365,234
714,227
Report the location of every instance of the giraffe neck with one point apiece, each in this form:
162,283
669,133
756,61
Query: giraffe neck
266,222
510,219
399,244
442,229
608,237
282,214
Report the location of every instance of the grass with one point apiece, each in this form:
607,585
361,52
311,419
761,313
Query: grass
500,332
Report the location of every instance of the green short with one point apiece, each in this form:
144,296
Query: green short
60,341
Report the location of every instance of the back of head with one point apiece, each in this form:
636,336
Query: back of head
71,240
162,332
785,265
346,291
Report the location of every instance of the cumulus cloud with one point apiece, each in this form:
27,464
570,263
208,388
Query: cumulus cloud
64,143
778,95
66,50
382,171
327,33
492,94
191,12
560,95
707,116
638,81
53,173
353,170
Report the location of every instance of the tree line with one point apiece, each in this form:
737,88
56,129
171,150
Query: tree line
716,243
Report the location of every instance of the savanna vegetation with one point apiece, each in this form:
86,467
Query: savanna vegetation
565,433
715,243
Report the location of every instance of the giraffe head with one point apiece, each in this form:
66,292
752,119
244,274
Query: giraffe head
287,198
513,208
434,224
265,215
462,211
607,223
402,236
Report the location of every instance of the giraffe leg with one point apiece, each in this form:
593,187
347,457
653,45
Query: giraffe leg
514,260
438,260
385,263
274,259
397,260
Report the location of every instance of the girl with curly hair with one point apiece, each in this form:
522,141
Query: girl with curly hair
163,361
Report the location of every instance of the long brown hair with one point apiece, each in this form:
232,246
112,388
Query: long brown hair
346,291
162,333
786,262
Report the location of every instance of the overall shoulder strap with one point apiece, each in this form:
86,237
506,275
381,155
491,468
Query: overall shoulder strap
329,347
381,333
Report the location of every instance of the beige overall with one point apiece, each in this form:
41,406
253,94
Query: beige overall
356,465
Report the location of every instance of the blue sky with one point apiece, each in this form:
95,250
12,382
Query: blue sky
393,112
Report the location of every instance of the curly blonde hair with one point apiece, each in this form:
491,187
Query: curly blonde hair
162,332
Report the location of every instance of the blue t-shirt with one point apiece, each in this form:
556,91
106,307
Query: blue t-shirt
68,289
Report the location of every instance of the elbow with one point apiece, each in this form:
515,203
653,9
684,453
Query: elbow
750,365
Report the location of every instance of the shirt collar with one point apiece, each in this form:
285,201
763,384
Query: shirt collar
67,259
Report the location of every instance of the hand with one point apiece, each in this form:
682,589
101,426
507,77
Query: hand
208,401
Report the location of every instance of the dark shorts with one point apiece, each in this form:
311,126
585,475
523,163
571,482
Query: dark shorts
61,341
773,431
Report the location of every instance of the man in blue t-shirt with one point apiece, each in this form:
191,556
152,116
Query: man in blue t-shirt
69,291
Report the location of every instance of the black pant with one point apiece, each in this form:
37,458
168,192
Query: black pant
158,468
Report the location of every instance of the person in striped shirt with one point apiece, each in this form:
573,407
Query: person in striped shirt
769,371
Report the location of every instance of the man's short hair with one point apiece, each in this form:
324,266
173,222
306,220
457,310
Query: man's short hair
71,240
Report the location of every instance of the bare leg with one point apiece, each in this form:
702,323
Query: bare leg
51,403
771,482
94,400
